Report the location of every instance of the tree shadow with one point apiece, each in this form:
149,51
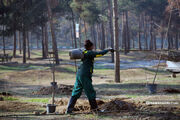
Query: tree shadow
65,70
22,67
34,66
142,114
21,89
162,71
131,89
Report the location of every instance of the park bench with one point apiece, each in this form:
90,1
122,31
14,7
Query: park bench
5,58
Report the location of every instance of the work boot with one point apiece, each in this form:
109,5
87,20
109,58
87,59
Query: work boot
71,105
93,105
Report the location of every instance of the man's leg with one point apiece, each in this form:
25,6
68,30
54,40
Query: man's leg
90,92
76,93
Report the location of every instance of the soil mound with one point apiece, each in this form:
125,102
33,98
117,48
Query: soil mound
116,105
5,94
168,55
16,106
80,107
61,102
60,89
171,90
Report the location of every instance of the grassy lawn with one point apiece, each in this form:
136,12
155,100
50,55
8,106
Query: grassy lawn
37,100
22,79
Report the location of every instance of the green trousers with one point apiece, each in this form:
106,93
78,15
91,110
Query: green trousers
84,82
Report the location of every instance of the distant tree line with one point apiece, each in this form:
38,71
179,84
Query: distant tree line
142,24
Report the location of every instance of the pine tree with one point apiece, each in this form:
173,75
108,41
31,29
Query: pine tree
116,38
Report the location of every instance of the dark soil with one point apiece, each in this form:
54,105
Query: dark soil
60,89
171,90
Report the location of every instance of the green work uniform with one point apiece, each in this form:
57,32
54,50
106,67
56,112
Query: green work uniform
84,75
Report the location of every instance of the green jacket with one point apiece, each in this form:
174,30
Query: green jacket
86,68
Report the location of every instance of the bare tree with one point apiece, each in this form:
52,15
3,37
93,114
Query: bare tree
176,41
124,37
85,29
80,32
110,13
54,43
162,40
44,56
145,33
19,42
28,45
24,44
139,32
74,30
14,49
127,32
116,39
46,39
151,35
71,34
103,36
4,44
93,35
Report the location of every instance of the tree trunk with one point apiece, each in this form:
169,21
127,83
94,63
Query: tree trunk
162,40
85,29
28,45
14,50
151,35
37,40
127,32
24,44
20,42
72,35
123,44
172,41
94,35
169,45
74,30
154,42
46,40
145,34
43,43
30,41
99,36
133,40
139,33
4,44
116,38
103,37
177,42
54,43
124,34
91,32
80,33
110,13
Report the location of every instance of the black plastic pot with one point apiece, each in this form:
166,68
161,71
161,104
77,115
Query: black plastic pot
152,88
51,108
54,84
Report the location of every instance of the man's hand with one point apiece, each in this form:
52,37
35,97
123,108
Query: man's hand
111,50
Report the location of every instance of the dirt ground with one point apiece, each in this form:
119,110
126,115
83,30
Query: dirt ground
29,91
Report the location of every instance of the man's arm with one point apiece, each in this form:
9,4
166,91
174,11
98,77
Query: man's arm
100,53
93,54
